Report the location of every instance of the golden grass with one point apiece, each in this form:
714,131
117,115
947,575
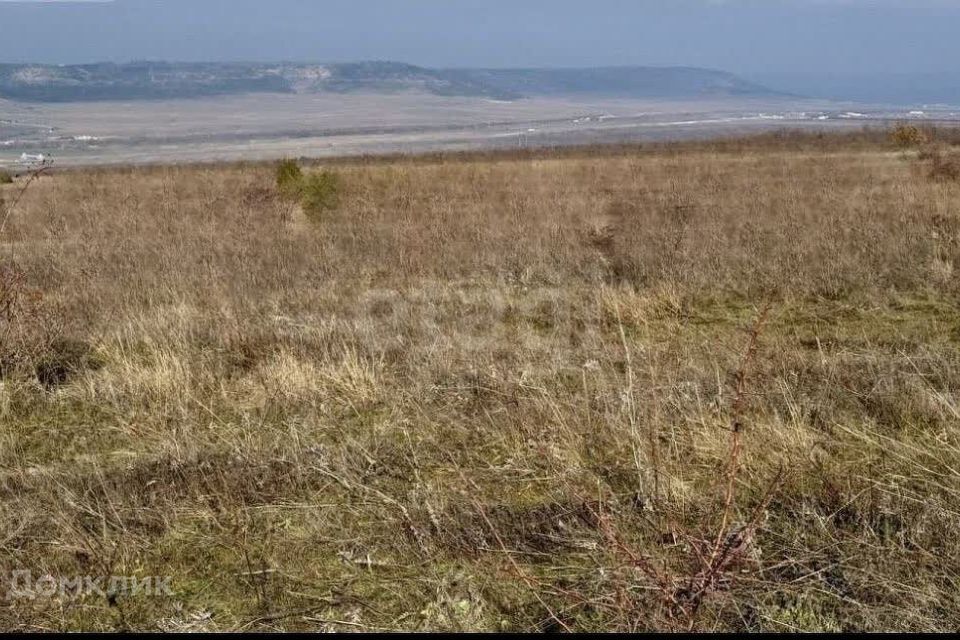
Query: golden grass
490,392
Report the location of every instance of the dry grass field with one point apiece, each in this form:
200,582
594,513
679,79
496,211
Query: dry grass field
710,386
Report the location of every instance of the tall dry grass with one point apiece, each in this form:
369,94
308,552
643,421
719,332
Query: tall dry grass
492,392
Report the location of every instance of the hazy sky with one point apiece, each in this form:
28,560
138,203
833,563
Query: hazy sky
747,36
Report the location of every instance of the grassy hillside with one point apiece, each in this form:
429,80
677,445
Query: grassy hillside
708,386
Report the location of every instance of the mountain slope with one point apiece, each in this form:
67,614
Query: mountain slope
636,82
156,80
153,80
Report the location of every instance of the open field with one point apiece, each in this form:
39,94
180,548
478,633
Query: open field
709,385
271,126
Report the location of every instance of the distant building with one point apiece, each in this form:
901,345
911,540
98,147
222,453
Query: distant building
31,159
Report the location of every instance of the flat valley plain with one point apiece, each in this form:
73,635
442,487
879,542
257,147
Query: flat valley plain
268,126
704,385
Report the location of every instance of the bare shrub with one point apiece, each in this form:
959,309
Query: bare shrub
908,136
713,554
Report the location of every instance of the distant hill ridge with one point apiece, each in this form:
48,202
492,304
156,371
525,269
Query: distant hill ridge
157,80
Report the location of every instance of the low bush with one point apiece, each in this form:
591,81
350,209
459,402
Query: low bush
316,192
320,192
289,178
